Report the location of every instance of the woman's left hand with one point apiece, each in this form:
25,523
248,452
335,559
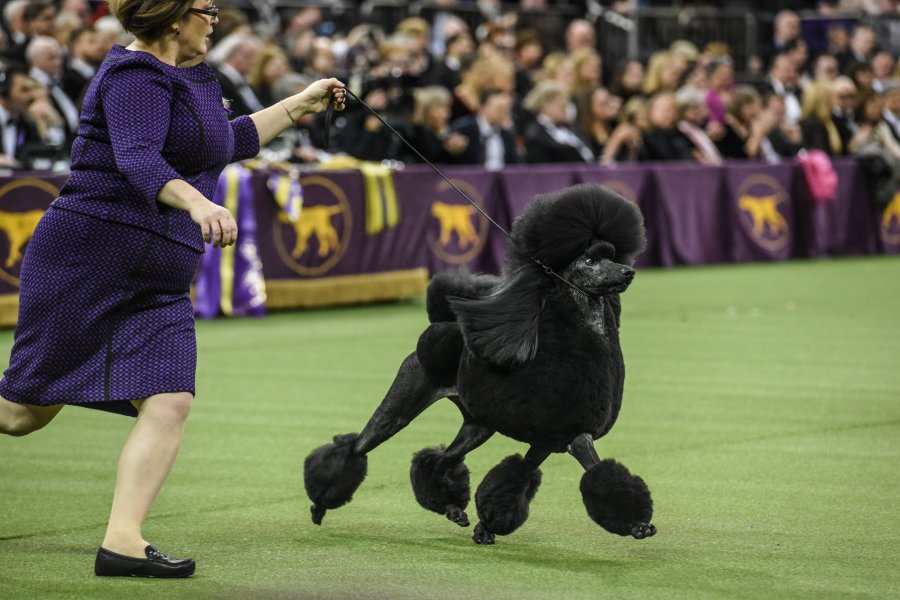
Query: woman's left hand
319,94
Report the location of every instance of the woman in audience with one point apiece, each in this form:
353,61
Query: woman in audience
270,66
663,140
430,132
599,117
627,81
746,125
818,127
626,142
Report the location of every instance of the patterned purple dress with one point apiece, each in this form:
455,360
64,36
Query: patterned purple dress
105,315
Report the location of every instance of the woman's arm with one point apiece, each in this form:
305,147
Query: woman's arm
216,222
271,121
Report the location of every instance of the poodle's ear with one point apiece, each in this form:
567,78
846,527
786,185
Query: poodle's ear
502,328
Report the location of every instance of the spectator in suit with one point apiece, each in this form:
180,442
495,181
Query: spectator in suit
860,49
844,102
883,69
784,140
38,19
825,68
235,56
891,112
14,23
529,51
782,79
447,72
45,62
83,59
18,131
580,34
491,141
552,137
786,29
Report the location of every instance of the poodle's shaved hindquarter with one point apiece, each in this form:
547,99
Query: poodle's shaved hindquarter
523,354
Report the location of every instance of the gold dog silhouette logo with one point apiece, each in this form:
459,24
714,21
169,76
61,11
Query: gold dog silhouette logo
17,224
890,222
459,231
317,241
761,199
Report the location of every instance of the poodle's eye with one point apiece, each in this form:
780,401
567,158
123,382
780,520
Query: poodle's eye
588,261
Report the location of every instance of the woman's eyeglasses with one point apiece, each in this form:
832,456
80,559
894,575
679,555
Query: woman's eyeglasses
212,11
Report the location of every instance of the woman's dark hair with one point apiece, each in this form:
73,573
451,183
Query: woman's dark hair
148,20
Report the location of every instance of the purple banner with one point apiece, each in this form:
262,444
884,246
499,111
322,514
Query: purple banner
23,201
760,207
845,225
451,233
692,221
889,226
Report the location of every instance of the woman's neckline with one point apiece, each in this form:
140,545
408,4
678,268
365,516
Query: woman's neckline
156,58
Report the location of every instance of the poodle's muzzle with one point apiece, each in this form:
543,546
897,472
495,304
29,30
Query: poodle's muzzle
600,277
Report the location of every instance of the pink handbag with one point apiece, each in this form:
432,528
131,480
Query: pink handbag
821,178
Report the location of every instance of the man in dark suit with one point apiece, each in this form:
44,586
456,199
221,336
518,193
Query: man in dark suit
236,56
45,62
18,133
553,137
491,141
85,54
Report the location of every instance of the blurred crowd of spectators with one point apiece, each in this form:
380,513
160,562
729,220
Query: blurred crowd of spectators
521,87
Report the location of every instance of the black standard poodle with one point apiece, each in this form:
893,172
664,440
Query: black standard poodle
533,354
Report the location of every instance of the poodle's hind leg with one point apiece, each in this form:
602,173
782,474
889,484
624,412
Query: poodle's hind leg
440,478
615,499
333,472
503,497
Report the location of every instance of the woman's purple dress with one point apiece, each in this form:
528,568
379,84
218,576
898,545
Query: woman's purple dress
105,315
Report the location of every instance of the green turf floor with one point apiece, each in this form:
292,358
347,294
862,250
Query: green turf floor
762,407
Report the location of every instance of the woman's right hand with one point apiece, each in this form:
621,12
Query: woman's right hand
216,223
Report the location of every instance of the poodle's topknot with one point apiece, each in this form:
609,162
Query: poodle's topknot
557,228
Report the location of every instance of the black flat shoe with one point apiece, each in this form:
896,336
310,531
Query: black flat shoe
157,564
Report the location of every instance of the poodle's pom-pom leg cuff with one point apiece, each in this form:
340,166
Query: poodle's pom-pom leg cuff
502,498
617,500
332,473
441,484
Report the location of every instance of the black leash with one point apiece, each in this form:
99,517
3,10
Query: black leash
328,115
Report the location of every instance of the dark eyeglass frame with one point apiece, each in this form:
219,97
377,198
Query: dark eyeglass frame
212,11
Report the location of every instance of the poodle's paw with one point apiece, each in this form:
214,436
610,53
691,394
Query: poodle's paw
317,511
643,530
482,536
457,515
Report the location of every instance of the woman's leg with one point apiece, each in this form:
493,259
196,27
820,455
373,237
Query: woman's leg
144,464
22,419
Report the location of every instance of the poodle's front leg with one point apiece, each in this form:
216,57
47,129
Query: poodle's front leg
505,492
615,499
440,478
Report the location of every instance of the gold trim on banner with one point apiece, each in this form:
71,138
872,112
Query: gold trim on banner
347,289
9,310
